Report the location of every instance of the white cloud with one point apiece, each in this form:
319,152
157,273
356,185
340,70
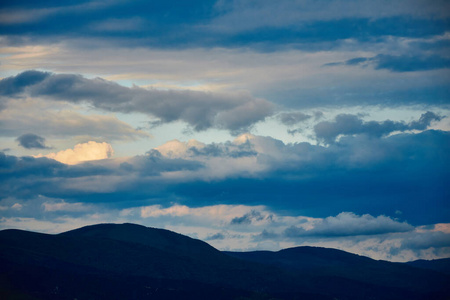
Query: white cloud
350,224
65,207
17,206
82,152
177,149
219,214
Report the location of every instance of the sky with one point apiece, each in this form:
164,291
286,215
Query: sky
252,125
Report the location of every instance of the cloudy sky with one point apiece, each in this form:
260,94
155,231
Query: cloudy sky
247,124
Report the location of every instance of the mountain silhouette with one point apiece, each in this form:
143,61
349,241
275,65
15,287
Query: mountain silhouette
128,261
326,262
440,265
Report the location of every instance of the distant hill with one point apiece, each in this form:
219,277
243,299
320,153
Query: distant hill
440,265
161,239
326,262
128,261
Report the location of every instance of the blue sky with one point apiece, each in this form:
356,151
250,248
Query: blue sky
248,124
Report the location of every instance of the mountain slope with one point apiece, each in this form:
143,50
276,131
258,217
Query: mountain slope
440,265
112,255
100,251
135,262
161,239
327,262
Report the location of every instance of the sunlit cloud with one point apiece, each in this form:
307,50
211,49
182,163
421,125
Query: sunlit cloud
82,152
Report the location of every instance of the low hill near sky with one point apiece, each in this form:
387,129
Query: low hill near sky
127,261
440,265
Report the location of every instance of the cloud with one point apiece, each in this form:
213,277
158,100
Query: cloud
425,121
291,78
365,175
293,118
201,110
154,163
399,63
308,24
213,224
81,153
218,213
346,124
216,236
426,240
349,224
290,13
408,63
60,120
248,218
196,149
32,141
63,206
178,149
17,206
15,85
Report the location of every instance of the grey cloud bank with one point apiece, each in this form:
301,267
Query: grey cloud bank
312,179
201,110
346,124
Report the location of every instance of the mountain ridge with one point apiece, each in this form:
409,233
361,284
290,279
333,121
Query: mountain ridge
171,263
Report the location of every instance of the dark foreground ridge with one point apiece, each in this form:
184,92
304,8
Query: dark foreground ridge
128,261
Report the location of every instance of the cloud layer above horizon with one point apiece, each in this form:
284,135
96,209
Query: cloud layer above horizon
251,125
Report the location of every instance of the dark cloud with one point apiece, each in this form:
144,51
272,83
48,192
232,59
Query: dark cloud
17,84
293,118
365,92
410,63
266,235
318,115
400,63
224,150
27,177
419,241
247,218
346,124
14,168
217,236
366,175
208,23
32,141
424,121
359,174
356,61
201,110
350,62
317,35
153,163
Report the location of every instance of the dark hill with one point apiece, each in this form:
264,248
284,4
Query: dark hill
440,265
161,239
328,262
127,261
305,258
